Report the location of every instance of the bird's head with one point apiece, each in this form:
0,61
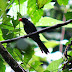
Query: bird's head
24,20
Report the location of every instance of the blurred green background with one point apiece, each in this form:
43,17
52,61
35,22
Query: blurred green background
43,13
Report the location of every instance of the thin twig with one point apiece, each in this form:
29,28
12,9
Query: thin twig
66,49
43,30
9,4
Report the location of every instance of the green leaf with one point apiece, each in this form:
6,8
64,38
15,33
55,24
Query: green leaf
42,38
69,53
34,63
23,45
68,15
19,15
2,66
6,34
54,65
28,55
68,26
47,43
3,5
36,15
33,11
41,3
48,6
51,44
15,22
69,42
48,21
1,38
17,54
10,50
64,2
6,24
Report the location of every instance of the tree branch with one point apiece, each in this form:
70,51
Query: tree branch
43,30
8,58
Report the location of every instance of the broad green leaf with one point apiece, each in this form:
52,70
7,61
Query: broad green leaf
48,6
40,69
41,3
42,38
33,11
48,21
2,66
34,63
36,15
64,2
68,26
3,5
53,66
51,44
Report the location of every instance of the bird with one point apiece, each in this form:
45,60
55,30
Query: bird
29,28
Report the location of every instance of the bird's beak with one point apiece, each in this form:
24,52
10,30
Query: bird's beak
20,19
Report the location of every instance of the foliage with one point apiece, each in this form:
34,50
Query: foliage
43,13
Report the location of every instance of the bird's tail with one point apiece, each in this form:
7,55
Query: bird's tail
42,46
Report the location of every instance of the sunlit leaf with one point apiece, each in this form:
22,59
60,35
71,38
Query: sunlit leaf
1,38
53,66
48,21
64,2
33,11
41,3
48,6
42,38
51,44
69,53
3,5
